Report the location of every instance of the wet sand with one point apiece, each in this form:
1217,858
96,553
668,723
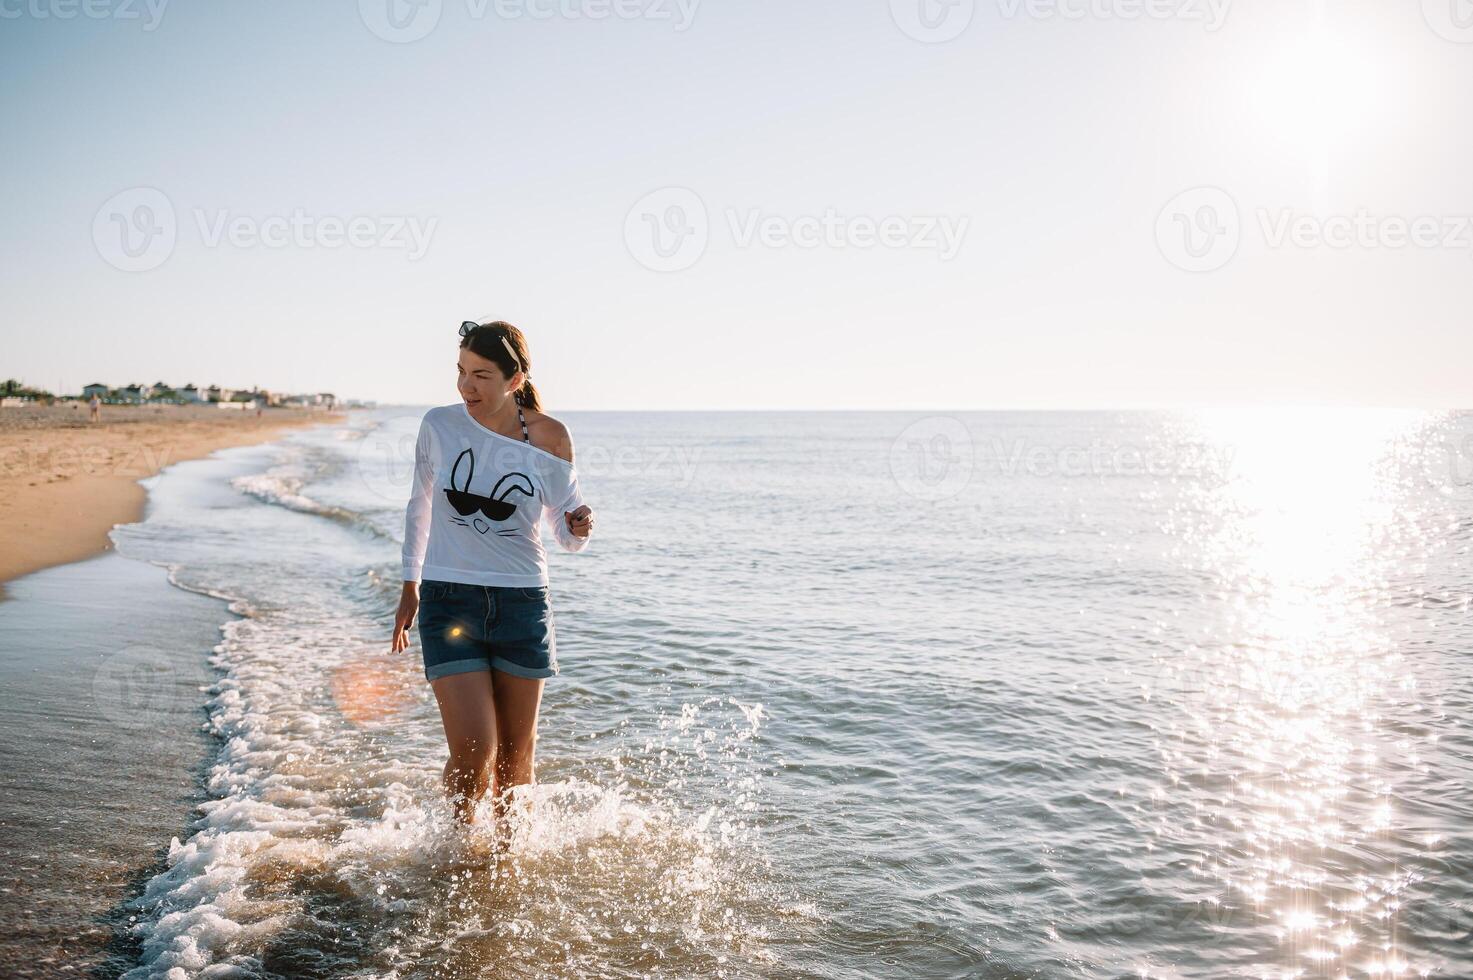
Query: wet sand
66,482
103,665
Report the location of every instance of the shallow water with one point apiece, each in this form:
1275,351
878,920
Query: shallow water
102,752
847,694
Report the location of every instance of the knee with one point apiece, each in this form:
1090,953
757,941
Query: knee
515,751
473,753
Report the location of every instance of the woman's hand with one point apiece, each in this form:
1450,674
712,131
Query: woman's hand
580,521
408,607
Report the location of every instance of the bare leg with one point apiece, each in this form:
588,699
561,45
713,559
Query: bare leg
468,713
517,702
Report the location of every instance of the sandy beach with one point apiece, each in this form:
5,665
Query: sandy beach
67,481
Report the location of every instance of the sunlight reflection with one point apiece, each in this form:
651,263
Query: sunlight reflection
1302,700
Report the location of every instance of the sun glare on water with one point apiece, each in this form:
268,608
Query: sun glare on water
1295,715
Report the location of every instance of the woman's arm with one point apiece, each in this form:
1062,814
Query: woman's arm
565,510
417,513
572,528
416,537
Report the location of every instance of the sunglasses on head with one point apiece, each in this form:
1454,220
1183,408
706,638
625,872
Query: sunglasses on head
467,327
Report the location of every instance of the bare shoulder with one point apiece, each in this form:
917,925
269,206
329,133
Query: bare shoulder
550,435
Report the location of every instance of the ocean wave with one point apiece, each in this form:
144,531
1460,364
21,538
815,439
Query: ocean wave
284,490
304,835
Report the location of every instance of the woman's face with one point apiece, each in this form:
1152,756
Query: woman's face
481,380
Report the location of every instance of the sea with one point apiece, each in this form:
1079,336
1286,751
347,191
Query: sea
843,695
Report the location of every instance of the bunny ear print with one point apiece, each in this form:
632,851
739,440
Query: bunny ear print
519,482
454,470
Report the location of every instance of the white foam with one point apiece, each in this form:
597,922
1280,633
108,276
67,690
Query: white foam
278,488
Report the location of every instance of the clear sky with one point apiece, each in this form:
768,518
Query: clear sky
746,203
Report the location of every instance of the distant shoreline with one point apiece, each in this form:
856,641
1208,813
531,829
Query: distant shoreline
67,482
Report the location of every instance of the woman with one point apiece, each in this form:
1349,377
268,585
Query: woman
486,470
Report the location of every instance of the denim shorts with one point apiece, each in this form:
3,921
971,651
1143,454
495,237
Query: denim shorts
479,627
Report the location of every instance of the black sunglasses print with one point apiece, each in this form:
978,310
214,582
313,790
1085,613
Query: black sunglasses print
496,506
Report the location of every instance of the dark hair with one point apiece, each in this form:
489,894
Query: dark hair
485,340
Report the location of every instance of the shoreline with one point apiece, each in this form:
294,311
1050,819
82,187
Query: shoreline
67,482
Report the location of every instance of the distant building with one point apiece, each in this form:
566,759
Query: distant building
255,397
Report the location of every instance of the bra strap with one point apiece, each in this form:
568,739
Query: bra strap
525,437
